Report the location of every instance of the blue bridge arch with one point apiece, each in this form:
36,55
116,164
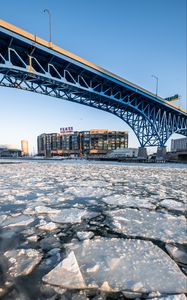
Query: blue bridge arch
30,63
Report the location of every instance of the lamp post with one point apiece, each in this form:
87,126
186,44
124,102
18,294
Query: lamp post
49,13
156,84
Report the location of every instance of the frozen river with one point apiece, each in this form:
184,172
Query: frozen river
79,230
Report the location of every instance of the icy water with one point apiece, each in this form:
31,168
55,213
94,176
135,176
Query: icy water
80,230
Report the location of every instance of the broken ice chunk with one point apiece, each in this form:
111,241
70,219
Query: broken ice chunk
84,235
171,297
66,274
72,215
149,224
2,218
134,266
129,201
178,254
20,220
46,210
22,261
171,204
48,226
32,238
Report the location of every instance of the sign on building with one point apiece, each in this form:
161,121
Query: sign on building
66,129
173,98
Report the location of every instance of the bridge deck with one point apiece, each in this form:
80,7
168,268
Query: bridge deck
68,54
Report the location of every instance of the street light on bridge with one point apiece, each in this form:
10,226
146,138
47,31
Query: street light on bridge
156,84
50,32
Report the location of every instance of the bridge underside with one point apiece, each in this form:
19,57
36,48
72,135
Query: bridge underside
33,67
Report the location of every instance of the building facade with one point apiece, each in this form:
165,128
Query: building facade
83,143
9,151
24,148
179,144
123,153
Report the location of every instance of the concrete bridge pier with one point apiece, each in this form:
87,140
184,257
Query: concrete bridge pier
142,153
161,153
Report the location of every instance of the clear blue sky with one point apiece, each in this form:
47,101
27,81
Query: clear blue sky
132,38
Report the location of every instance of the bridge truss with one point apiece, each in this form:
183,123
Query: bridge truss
29,65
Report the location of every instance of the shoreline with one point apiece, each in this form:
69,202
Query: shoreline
130,161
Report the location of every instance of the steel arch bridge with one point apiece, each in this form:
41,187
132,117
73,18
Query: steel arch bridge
30,63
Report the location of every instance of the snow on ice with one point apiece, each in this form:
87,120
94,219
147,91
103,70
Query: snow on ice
97,227
115,265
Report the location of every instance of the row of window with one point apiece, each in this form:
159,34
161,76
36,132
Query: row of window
82,142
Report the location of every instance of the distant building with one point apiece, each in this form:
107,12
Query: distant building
24,148
179,144
101,141
92,142
9,151
123,153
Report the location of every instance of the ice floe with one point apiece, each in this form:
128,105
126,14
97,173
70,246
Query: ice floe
2,218
66,273
72,215
148,224
22,261
171,297
117,265
87,191
129,201
84,235
18,221
178,253
102,220
46,210
174,205
32,238
48,226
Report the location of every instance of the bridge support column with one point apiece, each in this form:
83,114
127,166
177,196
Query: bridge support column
142,153
161,153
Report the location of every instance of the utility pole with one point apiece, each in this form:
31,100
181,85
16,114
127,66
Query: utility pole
50,31
156,84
